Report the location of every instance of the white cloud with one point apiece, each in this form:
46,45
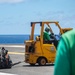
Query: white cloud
11,1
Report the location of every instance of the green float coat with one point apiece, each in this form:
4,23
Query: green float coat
65,56
46,36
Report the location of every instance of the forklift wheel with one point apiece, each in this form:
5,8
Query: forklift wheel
42,61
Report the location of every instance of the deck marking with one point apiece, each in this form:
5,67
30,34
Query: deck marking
19,46
6,74
21,53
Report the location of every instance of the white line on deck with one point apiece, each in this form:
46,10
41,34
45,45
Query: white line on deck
6,74
21,46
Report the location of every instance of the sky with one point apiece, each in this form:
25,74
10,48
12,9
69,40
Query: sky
16,15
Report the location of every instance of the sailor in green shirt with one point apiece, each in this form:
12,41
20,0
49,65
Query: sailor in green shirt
46,34
65,56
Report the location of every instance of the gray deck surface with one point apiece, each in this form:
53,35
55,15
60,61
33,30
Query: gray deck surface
24,68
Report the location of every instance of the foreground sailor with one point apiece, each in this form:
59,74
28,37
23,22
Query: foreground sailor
65,57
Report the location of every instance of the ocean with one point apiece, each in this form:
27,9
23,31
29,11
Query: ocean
13,39
17,39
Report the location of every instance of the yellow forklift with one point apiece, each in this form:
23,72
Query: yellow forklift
36,50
